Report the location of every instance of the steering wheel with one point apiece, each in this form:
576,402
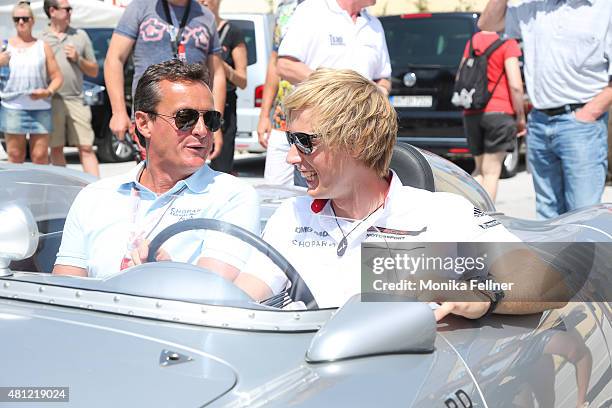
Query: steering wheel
298,290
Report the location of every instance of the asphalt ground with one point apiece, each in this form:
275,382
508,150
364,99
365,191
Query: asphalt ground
515,198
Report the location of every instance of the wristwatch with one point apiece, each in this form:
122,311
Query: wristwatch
494,295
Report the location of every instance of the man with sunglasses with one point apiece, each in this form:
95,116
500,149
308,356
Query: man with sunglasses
112,221
71,117
342,130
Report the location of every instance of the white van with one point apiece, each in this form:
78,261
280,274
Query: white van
257,30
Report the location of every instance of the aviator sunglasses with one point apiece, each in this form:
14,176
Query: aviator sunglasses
301,140
187,119
25,19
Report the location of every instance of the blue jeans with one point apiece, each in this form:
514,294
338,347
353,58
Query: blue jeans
568,160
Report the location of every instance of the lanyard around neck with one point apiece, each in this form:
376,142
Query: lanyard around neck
177,39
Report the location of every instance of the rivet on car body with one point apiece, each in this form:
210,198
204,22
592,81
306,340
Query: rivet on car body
77,294
116,299
6,285
158,305
90,306
203,310
297,316
41,289
251,315
14,296
131,313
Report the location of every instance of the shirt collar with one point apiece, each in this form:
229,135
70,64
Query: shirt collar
335,7
196,183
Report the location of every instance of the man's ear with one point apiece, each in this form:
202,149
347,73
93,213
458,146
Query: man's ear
143,123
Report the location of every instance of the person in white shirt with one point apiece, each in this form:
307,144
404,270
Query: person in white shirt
342,130
112,221
335,34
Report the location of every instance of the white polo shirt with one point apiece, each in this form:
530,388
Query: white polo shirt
306,233
107,215
321,34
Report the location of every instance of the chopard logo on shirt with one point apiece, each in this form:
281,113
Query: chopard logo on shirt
184,213
304,230
312,243
336,40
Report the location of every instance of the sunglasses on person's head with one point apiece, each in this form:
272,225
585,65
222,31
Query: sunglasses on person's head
301,140
186,119
24,18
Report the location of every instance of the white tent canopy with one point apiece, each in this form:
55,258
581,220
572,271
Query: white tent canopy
86,13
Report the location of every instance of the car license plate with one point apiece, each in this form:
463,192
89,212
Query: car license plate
412,101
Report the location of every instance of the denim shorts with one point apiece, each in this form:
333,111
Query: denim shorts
20,121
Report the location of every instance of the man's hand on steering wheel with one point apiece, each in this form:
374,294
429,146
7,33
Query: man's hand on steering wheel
141,252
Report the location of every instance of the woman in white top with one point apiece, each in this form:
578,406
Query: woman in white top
26,98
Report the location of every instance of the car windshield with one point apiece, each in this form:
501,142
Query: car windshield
437,41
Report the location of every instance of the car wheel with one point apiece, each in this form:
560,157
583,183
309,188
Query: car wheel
511,162
113,150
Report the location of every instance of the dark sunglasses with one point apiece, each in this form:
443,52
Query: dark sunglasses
301,140
68,9
187,119
24,18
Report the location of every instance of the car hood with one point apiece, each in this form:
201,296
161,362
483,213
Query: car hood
109,362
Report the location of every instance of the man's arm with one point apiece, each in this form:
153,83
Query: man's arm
264,126
384,84
118,52
217,75
493,16
68,270
89,68
597,106
515,83
292,70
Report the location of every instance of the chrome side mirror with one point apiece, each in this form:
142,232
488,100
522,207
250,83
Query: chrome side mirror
18,235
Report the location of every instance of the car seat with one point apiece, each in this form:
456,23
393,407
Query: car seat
412,167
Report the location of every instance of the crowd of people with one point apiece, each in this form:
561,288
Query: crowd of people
570,91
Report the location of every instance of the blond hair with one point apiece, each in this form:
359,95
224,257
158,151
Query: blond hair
349,112
23,6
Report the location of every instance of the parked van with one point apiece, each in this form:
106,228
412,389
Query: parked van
257,30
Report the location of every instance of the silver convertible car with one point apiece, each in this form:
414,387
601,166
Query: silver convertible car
170,334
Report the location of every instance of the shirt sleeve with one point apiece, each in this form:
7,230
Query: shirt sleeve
241,210
512,28
73,251
512,49
88,51
297,40
129,24
384,67
274,234
215,45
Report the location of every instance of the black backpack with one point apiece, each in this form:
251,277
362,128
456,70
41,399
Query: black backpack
471,89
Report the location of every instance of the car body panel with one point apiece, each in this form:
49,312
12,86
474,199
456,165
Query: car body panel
108,343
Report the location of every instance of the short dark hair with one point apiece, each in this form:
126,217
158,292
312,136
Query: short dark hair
48,4
148,96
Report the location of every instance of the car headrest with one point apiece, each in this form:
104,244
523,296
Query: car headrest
412,167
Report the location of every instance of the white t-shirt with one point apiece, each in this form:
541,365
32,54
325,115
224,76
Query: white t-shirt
306,233
107,215
322,35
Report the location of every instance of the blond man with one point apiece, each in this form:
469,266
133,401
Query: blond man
342,128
